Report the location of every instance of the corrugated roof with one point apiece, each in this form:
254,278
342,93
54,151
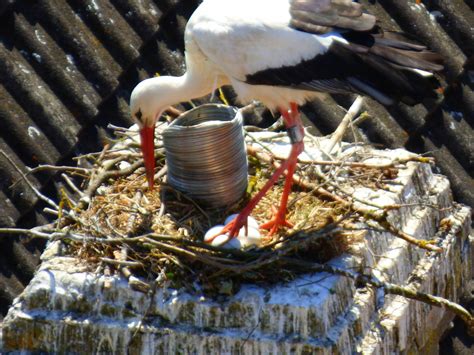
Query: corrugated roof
67,69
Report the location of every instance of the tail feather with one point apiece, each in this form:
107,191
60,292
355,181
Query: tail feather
383,64
388,69
407,59
395,58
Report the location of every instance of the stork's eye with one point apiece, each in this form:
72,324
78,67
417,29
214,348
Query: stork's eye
138,115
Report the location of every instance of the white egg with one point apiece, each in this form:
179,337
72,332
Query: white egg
224,241
251,222
251,232
234,243
219,240
212,232
253,237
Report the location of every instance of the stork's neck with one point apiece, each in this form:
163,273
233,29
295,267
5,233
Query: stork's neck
171,90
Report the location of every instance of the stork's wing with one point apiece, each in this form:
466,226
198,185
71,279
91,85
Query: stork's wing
274,43
322,16
246,36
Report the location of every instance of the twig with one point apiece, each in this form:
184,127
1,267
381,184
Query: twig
133,264
190,200
102,153
437,301
379,214
396,163
36,233
189,254
112,153
84,172
341,129
34,189
119,129
105,174
298,240
51,211
72,185
173,112
297,179
47,167
393,289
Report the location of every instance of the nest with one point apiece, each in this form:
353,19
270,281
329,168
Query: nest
154,238
157,235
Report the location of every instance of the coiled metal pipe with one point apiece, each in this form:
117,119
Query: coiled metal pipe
205,154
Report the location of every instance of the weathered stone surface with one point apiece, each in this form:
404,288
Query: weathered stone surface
67,307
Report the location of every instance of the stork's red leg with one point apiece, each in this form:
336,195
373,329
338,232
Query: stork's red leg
296,133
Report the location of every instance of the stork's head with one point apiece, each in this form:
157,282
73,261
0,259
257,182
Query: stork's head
146,109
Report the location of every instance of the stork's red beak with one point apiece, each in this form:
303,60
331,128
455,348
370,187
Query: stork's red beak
147,137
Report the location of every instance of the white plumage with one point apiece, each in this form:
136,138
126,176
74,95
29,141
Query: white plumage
238,42
226,40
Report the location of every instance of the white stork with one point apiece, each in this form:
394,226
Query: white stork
282,53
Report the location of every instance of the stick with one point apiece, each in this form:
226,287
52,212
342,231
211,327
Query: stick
404,291
58,168
103,175
36,233
72,185
252,150
341,129
34,189
122,263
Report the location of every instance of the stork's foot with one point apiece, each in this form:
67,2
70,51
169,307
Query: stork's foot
277,221
232,228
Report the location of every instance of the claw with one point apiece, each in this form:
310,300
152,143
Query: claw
231,229
277,221
238,226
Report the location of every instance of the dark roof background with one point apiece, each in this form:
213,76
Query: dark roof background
67,68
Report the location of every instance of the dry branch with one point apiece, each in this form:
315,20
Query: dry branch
406,291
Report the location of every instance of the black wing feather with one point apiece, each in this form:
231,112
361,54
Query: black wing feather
321,16
373,62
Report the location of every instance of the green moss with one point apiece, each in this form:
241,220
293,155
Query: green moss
232,314
21,334
214,318
187,312
80,305
264,320
136,343
108,310
40,300
314,323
